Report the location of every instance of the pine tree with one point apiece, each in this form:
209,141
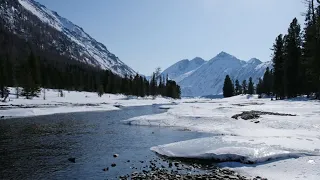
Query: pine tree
110,86
292,62
316,59
259,87
250,86
31,87
160,87
153,85
308,51
267,82
244,87
146,87
100,90
238,88
278,67
3,77
228,88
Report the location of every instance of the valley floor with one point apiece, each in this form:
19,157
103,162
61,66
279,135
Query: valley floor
275,146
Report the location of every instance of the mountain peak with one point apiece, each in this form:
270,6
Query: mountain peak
254,61
197,60
224,56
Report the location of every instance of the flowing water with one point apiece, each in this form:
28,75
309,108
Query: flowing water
39,147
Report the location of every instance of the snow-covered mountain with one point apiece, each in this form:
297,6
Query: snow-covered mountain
207,77
183,68
29,19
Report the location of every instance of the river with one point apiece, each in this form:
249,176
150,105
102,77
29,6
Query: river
39,147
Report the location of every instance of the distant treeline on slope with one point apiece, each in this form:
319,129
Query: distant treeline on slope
296,61
24,64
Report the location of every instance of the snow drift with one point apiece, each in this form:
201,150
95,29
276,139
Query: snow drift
214,149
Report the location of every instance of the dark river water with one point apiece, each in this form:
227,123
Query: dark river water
39,147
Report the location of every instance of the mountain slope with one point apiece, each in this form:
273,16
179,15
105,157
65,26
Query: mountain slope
208,78
183,68
49,31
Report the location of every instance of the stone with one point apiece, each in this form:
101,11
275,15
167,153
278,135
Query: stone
116,155
72,160
105,169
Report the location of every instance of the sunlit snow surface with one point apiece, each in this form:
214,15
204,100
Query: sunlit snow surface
276,147
218,150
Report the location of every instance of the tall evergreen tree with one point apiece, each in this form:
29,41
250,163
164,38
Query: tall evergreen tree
100,90
228,88
244,87
31,86
259,87
153,85
238,88
250,86
3,77
267,82
316,59
278,67
292,62
308,50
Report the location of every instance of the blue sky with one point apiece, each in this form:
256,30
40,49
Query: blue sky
146,34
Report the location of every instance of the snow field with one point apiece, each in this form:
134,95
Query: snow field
277,147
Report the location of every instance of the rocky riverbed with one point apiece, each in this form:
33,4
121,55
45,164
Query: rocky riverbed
166,169
247,115
217,174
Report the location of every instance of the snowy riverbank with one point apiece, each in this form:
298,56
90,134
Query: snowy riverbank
71,102
272,146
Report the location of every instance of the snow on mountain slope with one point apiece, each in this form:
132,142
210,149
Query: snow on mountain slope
208,78
183,68
70,40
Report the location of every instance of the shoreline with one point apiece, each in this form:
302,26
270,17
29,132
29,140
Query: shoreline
72,101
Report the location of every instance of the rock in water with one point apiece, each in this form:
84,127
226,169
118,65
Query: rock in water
116,155
113,165
72,160
105,169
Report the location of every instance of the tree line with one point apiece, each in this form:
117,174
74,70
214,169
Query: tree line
231,89
296,57
296,61
25,65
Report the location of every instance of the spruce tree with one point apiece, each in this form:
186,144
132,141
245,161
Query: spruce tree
3,77
267,82
153,85
278,67
244,87
100,90
31,85
292,62
259,87
238,88
308,51
228,88
250,86
316,59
